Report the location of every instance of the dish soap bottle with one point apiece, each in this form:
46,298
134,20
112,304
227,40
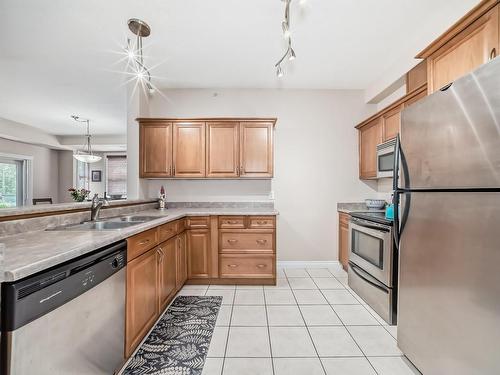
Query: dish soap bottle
162,199
389,209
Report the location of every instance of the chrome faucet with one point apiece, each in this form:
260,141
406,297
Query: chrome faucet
97,204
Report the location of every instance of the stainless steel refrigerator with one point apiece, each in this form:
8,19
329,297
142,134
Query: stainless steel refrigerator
448,227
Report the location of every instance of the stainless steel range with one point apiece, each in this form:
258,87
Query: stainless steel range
372,271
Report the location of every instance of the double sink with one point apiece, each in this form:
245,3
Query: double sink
113,223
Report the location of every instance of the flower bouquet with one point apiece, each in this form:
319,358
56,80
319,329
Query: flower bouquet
79,195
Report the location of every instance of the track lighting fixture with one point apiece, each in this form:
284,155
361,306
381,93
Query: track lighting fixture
290,53
134,52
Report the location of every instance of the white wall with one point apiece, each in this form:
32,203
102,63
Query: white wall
66,176
316,159
45,167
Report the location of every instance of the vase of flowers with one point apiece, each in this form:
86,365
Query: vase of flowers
79,195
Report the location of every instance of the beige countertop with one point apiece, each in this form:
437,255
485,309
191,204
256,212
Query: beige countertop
28,253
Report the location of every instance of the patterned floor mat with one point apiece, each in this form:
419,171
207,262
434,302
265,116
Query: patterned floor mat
178,345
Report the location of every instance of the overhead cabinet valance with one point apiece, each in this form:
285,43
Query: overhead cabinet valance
206,148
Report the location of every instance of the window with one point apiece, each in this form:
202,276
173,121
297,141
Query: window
116,176
82,175
13,181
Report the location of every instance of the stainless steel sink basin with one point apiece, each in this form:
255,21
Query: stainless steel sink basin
114,223
132,219
97,225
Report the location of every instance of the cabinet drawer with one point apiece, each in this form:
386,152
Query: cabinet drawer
140,243
181,225
261,222
167,230
196,222
245,241
232,222
246,266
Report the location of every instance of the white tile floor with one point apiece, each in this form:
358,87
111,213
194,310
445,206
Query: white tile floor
311,323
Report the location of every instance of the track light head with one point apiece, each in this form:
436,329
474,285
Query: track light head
292,54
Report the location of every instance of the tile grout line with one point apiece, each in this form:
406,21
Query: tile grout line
306,326
228,332
268,331
345,327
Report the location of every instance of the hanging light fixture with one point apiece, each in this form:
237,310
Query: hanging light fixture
290,53
85,155
134,52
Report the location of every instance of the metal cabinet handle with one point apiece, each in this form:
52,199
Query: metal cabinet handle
242,171
261,266
144,242
262,222
237,171
160,258
170,171
261,242
493,53
231,240
232,265
173,169
231,222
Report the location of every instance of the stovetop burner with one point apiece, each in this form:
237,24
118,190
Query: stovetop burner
378,217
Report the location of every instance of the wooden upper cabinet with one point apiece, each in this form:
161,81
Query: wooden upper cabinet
223,149
142,298
370,135
464,47
391,123
416,77
415,98
256,155
189,149
155,149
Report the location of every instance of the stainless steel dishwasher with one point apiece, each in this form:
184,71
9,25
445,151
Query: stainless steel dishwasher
67,320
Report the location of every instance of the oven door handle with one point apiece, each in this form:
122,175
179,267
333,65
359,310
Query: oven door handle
380,229
368,278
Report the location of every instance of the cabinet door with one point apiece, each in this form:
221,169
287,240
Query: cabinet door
189,149
256,149
181,261
198,241
223,149
142,298
370,136
155,150
474,46
344,240
167,268
392,123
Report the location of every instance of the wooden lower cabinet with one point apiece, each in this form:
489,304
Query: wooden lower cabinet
343,239
198,243
181,260
161,260
167,272
142,298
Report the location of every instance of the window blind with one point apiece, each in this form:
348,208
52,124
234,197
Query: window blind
116,174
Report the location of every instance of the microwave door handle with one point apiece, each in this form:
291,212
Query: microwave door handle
370,280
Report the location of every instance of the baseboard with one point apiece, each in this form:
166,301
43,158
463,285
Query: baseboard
309,264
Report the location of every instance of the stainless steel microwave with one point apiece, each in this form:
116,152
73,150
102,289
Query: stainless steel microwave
385,158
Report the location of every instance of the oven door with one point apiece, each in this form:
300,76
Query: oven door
370,247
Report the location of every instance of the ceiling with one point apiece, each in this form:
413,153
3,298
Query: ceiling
60,57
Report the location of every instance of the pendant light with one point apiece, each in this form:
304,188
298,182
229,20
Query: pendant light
85,155
290,53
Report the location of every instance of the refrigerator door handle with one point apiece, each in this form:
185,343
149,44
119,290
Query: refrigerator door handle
395,179
395,231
